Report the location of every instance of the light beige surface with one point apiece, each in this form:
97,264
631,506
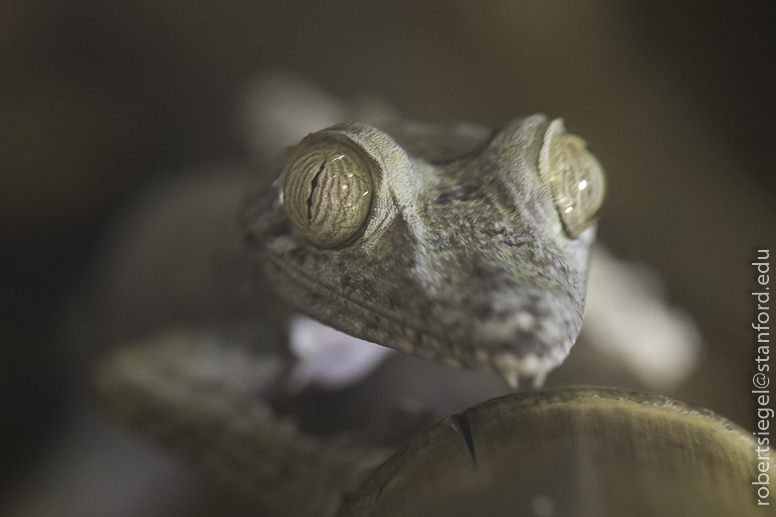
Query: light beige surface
571,452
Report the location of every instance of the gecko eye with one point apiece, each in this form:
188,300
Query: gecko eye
575,177
327,189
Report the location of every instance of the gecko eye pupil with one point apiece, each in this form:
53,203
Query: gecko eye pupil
327,192
575,177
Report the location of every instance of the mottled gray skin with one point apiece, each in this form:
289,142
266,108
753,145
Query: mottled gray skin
464,259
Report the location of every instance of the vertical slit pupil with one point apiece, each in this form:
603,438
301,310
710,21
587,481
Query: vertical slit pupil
312,189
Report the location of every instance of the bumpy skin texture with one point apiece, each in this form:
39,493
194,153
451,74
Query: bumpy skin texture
463,260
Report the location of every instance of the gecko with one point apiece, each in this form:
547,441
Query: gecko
458,244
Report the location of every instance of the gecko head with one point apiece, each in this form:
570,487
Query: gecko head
473,254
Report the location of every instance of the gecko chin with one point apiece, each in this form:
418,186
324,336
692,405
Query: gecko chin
528,340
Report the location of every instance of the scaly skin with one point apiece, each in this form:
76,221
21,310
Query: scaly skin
464,259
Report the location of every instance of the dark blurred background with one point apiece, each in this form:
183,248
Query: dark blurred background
100,99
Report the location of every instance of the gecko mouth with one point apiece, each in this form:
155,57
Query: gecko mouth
308,296
513,343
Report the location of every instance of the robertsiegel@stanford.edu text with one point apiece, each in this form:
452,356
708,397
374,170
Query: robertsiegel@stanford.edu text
761,379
